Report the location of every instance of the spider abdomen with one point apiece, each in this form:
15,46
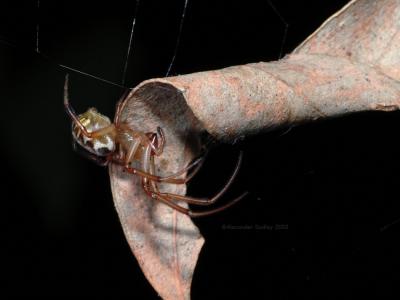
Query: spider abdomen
92,120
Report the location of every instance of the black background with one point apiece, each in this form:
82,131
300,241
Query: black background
321,195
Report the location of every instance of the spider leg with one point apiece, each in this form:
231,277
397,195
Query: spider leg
102,131
146,141
160,150
149,186
152,137
137,134
69,108
171,204
130,154
120,104
194,214
151,189
199,162
145,173
153,184
160,147
212,200
204,213
148,167
75,119
167,179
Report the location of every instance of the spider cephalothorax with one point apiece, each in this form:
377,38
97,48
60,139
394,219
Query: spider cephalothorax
106,142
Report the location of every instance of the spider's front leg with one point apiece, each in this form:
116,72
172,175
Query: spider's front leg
120,105
145,138
130,154
155,145
160,147
70,111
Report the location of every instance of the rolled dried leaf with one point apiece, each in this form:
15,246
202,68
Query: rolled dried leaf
365,31
238,101
350,64
166,243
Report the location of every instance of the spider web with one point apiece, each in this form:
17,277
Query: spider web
181,33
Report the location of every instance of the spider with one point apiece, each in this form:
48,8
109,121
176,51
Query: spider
105,142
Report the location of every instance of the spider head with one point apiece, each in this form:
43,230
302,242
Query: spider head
101,144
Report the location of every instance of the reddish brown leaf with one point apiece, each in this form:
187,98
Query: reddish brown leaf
350,64
166,243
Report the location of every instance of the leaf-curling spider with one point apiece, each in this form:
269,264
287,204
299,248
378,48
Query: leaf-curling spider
116,142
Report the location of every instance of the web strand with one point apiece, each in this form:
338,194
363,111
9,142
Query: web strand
130,46
178,39
286,27
89,75
37,25
52,61
80,72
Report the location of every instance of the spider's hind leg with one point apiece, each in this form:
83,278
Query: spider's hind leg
169,199
193,214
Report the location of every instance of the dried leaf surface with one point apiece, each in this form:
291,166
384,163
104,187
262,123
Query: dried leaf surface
328,75
166,243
